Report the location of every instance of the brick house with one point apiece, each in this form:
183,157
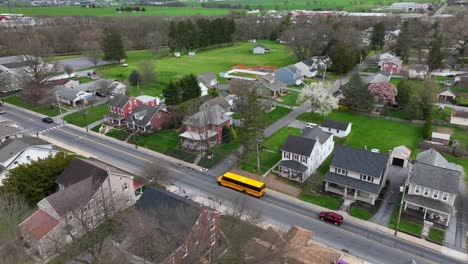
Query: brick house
146,119
120,107
188,231
88,191
205,125
393,66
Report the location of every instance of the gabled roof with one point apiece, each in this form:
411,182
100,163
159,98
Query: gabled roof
434,158
270,82
430,203
359,160
142,115
259,46
299,145
219,100
316,132
12,147
447,92
8,128
213,115
207,77
352,182
437,178
378,77
39,224
394,60
119,100
78,170
335,124
294,165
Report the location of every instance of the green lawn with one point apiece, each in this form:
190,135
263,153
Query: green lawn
441,113
277,114
110,11
83,79
271,153
120,134
96,128
360,213
218,153
405,224
436,234
290,99
213,60
48,110
93,114
64,57
373,132
371,69
326,201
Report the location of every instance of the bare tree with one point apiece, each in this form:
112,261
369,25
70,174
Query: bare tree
68,69
13,210
104,86
146,69
307,41
156,172
92,52
35,77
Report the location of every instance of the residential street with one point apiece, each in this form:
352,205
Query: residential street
359,240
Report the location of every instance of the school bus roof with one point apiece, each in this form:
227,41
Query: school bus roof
243,179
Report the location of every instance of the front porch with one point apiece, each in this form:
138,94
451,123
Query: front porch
140,129
115,120
427,214
197,140
350,193
278,93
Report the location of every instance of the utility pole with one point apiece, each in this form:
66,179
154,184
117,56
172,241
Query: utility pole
84,116
135,133
401,203
60,107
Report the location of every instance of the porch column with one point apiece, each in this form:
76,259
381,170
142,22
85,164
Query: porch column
448,220
355,194
345,192
425,212
405,206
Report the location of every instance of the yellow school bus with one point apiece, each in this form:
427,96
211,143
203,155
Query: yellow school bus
243,184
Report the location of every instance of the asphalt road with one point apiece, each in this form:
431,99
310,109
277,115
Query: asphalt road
360,241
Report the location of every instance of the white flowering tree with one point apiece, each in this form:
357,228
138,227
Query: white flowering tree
319,99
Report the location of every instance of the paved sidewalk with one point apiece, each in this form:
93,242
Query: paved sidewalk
95,124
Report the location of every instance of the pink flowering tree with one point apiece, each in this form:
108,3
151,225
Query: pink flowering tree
384,91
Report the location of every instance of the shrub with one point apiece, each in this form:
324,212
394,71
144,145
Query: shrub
343,107
233,132
427,129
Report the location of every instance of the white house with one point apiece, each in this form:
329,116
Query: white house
71,96
459,118
259,49
310,67
357,174
385,56
89,191
149,100
302,155
207,81
117,87
14,152
337,128
418,71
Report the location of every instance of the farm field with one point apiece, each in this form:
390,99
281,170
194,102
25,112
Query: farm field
110,11
213,60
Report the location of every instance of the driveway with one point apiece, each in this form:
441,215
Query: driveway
396,175
79,63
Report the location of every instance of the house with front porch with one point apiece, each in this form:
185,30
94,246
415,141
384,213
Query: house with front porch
357,174
434,184
268,86
204,129
146,119
302,155
120,107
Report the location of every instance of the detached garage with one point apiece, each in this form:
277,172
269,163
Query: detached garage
400,156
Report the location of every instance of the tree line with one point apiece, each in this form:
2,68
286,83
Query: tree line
189,35
181,90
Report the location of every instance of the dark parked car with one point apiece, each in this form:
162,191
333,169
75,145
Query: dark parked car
2,112
331,217
99,94
47,120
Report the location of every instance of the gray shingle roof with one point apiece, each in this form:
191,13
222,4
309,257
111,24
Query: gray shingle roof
213,115
299,145
270,82
430,203
207,77
80,169
315,132
434,158
335,124
119,100
436,178
294,165
8,128
352,182
360,161
378,77
12,147
142,115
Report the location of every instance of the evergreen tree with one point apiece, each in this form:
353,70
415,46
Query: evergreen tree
172,94
427,93
413,110
134,78
227,136
344,57
435,55
377,40
404,93
427,128
189,87
254,121
357,95
403,43
36,180
112,45
143,9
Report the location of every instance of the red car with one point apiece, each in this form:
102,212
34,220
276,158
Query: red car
331,217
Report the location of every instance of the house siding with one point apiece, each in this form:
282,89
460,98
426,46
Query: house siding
450,200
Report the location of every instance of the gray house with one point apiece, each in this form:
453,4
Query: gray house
357,174
434,184
290,75
378,77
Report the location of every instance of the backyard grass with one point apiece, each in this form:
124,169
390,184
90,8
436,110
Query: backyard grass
443,114
213,60
360,213
110,11
48,110
271,152
93,114
436,235
373,132
218,153
326,201
277,114
290,99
